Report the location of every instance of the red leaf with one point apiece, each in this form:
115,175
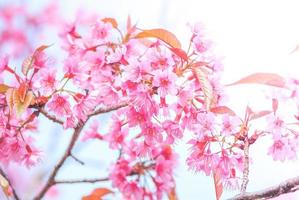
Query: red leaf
180,53
218,184
274,105
262,78
112,21
162,34
223,110
260,114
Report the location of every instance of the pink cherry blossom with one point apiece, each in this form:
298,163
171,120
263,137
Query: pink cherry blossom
165,82
230,125
59,105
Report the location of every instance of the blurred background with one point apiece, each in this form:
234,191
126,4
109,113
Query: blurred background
250,36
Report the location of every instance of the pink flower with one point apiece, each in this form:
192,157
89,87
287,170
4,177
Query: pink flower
70,122
47,80
152,133
165,82
173,131
282,150
59,105
275,125
206,123
117,133
92,133
136,118
201,45
101,30
230,125
3,63
84,106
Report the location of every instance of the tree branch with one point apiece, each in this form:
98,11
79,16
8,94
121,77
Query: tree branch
246,167
108,109
82,181
51,179
15,195
50,117
288,186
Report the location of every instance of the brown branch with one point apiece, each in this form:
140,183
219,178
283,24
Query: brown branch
108,109
50,117
246,167
288,186
14,193
82,181
51,179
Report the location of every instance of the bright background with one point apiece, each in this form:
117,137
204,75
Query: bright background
251,36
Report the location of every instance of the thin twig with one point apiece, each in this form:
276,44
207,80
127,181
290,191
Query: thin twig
15,195
50,117
77,159
82,181
288,186
51,179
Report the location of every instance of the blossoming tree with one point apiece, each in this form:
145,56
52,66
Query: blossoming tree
157,93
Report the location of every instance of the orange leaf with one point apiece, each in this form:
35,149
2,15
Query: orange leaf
97,194
112,21
9,98
180,53
28,62
172,195
162,34
202,77
223,110
3,88
22,91
5,186
262,78
218,184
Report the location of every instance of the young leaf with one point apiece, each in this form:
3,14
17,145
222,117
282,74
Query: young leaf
262,78
9,98
260,114
180,53
19,105
274,105
28,62
3,88
97,194
218,184
4,185
206,86
172,194
162,34
223,110
112,21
